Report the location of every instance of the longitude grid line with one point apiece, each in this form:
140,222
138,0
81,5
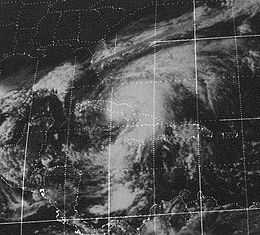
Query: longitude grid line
197,115
154,113
109,161
67,145
241,122
109,152
26,146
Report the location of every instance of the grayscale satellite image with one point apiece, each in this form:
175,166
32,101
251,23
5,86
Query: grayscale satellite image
136,117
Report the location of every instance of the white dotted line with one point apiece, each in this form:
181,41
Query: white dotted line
96,9
54,35
17,26
35,3
9,2
79,26
7,25
241,123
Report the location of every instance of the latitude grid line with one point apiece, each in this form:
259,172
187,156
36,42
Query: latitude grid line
81,42
158,124
67,42
243,36
136,216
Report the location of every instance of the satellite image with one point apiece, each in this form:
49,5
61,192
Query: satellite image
136,117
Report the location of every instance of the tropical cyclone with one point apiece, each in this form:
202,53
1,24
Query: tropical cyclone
129,69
